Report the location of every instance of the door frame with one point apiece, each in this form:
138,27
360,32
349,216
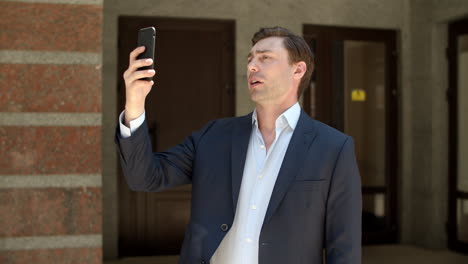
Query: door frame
318,36
455,29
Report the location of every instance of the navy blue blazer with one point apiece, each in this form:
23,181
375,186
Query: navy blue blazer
314,210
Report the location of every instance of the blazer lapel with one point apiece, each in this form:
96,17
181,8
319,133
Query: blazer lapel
239,143
303,136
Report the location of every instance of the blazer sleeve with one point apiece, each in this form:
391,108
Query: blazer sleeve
152,172
344,210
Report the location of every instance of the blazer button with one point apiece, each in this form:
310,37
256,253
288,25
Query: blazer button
203,262
224,227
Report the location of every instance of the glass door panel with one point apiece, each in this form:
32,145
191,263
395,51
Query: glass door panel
462,219
458,139
354,90
364,107
462,54
364,120
373,215
462,175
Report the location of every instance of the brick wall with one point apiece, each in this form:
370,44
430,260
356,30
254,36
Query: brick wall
50,131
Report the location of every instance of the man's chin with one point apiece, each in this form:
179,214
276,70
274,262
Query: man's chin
259,98
256,97
261,95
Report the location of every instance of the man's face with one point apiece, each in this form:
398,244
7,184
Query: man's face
269,73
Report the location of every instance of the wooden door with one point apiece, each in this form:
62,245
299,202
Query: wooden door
194,83
354,90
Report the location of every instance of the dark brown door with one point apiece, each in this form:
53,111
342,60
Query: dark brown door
194,83
458,139
354,90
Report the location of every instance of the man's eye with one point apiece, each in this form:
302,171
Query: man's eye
264,57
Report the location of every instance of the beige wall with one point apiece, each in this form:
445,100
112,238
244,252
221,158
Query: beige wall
421,27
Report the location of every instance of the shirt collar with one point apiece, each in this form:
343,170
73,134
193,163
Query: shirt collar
291,116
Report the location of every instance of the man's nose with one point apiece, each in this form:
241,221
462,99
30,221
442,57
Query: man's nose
252,67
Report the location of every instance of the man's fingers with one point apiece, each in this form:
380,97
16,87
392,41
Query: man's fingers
132,58
140,74
135,53
139,63
143,83
135,65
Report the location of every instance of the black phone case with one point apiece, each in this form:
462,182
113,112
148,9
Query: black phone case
147,38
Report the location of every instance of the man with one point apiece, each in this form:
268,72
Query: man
274,186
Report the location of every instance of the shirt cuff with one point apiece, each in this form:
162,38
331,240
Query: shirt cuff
125,131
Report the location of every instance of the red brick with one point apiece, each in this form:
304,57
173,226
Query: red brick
47,256
50,88
50,150
41,26
50,211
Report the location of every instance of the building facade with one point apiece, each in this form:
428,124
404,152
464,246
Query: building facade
60,82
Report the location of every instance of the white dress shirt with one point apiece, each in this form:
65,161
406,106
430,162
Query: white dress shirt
240,245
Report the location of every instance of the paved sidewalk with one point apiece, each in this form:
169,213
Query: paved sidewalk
386,254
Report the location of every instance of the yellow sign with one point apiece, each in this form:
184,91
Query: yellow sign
358,95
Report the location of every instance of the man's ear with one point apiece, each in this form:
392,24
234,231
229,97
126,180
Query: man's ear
300,70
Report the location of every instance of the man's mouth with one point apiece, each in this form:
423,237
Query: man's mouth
254,83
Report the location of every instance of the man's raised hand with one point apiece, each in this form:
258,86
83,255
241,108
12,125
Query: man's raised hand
136,90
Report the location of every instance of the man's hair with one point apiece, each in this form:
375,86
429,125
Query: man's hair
297,48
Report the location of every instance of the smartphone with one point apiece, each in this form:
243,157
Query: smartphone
147,38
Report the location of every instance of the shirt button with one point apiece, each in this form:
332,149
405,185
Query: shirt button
262,146
248,240
260,176
224,227
254,207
